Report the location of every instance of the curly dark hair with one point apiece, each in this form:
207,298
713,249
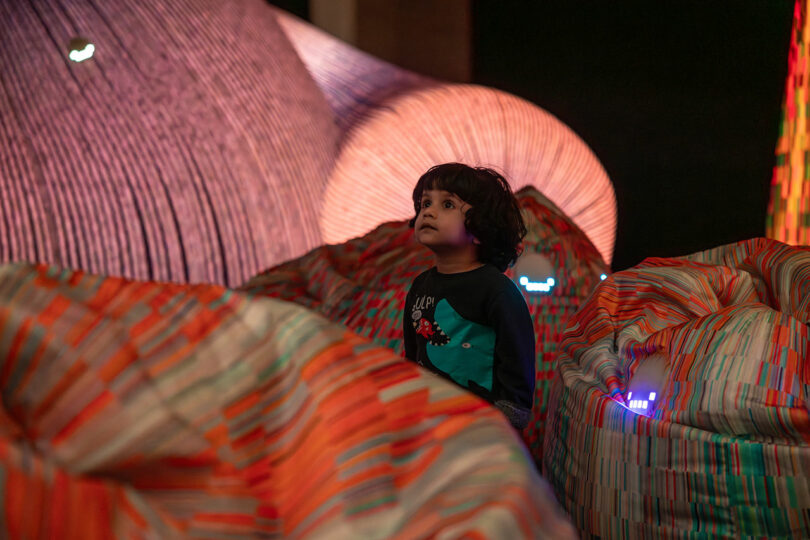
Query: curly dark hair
494,218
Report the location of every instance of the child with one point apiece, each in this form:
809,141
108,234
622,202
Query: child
463,318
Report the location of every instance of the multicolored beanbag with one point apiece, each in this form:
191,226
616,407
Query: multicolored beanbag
725,449
153,410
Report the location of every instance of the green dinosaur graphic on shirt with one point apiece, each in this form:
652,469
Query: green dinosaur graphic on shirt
469,353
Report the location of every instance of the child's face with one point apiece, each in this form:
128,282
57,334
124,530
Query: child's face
440,222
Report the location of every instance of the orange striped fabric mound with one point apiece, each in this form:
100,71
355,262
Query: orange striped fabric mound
153,410
362,284
725,450
788,217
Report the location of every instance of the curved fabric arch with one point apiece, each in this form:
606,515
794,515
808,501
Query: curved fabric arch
194,411
385,154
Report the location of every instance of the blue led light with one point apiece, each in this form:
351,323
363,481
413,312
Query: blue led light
603,277
535,286
640,405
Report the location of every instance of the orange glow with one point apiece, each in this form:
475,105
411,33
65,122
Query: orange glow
789,209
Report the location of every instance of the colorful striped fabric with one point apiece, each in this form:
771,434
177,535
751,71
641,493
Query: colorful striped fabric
725,451
362,284
152,410
789,209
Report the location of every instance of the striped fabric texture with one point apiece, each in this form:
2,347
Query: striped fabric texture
193,147
725,452
789,208
397,124
153,410
362,284
199,142
397,142
353,82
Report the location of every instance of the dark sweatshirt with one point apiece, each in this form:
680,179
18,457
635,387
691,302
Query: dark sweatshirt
474,329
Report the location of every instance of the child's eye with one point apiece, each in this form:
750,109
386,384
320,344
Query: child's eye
425,204
449,204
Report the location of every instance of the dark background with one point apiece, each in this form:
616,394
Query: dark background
681,102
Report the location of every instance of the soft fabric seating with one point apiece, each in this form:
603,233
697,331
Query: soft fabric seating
725,451
152,410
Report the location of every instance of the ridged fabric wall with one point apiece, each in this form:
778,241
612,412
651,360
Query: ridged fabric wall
725,452
200,144
789,209
354,83
193,147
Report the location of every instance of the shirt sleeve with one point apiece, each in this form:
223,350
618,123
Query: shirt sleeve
408,332
514,369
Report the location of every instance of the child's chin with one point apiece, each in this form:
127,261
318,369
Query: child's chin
426,243
424,239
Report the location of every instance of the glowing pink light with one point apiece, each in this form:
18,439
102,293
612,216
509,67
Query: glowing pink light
385,154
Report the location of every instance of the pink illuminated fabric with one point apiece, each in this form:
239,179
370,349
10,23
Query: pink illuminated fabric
384,156
353,82
199,143
194,146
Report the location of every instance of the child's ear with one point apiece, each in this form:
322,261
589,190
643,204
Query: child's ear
476,241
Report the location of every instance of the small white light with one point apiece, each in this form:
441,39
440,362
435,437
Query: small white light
523,280
644,404
603,277
652,396
629,395
80,49
550,282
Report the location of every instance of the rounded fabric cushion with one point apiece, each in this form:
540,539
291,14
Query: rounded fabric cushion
384,155
138,409
192,147
726,450
362,284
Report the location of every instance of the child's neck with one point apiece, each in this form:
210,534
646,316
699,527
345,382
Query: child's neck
454,263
